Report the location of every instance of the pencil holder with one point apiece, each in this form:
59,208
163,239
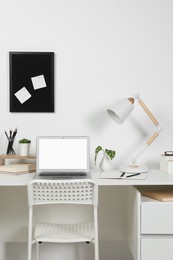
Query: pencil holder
10,138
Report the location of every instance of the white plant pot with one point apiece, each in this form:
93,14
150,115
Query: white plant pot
105,164
24,149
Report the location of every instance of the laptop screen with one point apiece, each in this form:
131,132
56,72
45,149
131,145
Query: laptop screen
70,154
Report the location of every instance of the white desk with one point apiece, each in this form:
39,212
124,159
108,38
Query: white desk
12,180
155,177
148,222
143,242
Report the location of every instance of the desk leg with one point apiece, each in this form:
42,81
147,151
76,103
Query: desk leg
133,221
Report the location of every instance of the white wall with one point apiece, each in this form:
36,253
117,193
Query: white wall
105,50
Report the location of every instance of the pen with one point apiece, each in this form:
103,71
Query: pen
6,135
122,174
14,133
10,134
131,175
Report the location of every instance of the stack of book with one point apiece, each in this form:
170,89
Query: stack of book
16,169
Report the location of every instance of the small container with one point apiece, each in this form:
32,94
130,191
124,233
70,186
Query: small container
166,162
170,166
24,149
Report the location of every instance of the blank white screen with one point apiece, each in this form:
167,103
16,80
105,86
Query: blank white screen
62,154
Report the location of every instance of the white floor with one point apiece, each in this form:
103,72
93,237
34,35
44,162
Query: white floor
108,251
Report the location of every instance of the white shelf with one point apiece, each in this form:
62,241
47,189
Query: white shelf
147,200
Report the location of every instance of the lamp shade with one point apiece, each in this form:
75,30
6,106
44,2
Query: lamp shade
121,110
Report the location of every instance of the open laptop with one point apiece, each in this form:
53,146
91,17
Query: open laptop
62,157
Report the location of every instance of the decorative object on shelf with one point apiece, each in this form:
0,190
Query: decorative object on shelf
166,162
119,113
10,138
24,146
108,155
31,79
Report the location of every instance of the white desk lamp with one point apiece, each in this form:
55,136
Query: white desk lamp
119,113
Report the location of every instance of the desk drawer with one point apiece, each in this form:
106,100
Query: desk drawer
157,249
157,218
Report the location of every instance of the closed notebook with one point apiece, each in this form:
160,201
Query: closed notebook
161,195
17,168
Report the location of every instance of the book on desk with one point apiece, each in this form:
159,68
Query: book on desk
17,168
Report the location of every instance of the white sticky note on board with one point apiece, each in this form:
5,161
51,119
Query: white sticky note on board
38,82
23,95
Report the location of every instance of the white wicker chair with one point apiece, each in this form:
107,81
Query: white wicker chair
42,192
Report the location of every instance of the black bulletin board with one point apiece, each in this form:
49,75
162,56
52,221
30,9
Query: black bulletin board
31,81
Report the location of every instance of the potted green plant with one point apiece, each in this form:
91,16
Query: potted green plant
24,146
108,155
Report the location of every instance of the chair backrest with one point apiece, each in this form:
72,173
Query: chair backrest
62,192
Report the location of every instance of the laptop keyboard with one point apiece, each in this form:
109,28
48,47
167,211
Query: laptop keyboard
63,174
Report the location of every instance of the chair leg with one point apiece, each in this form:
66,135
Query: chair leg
29,251
96,251
37,251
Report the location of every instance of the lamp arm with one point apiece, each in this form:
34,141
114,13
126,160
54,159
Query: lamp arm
144,147
152,138
148,112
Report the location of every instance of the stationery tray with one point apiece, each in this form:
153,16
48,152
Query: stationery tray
120,175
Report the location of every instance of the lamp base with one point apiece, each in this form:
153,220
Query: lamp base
133,168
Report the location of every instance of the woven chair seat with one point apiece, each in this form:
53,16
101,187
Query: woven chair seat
64,233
